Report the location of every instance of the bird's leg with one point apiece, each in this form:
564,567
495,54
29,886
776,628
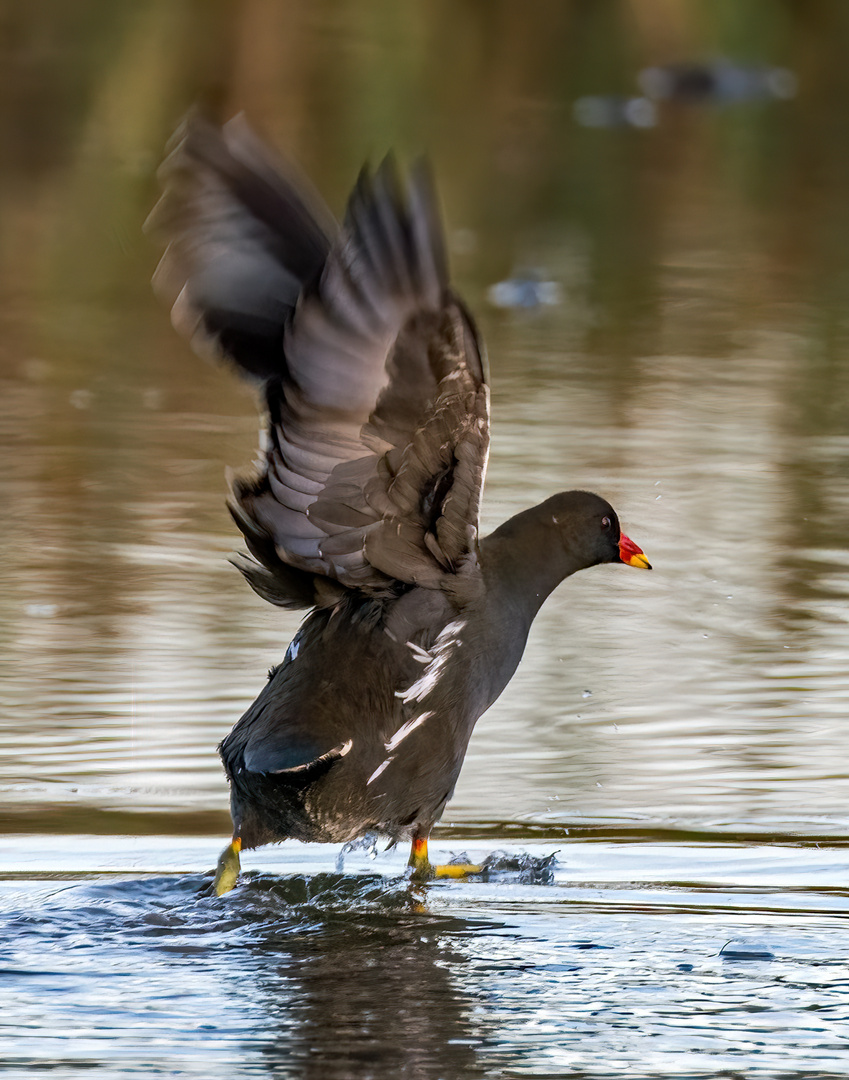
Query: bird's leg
227,870
424,870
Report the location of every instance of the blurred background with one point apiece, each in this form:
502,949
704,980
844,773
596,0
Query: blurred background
646,205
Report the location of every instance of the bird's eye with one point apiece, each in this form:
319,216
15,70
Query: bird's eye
605,522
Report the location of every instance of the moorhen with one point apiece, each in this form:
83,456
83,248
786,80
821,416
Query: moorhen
364,507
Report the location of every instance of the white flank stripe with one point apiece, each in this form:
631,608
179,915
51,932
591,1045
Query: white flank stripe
445,643
379,770
405,729
423,686
422,655
451,631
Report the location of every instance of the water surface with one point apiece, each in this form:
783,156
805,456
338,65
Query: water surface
650,960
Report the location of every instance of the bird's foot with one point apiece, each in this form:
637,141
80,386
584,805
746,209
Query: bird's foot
227,870
424,870
456,870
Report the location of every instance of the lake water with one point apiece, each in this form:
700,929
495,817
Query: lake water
678,741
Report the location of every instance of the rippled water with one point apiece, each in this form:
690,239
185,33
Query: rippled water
650,959
678,738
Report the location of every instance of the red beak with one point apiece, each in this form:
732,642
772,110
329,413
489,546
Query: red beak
632,555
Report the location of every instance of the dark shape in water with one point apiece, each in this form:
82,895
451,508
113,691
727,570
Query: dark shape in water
524,290
526,869
745,950
364,507
718,82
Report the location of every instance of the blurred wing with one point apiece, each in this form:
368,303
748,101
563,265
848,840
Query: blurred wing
246,234
379,434
378,408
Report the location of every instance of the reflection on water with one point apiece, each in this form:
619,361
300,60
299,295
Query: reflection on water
692,367
666,961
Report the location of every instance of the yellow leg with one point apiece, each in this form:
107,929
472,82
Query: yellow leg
227,870
424,870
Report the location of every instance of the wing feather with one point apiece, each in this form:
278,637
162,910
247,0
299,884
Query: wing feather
246,233
372,369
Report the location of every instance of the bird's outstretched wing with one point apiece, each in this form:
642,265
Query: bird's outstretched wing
372,370
245,234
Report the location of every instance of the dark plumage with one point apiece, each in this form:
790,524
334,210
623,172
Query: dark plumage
365,506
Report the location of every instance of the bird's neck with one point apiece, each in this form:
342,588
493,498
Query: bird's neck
524,561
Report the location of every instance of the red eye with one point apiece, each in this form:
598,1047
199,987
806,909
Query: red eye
605,522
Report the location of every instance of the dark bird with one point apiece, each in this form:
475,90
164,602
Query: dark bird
364,507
